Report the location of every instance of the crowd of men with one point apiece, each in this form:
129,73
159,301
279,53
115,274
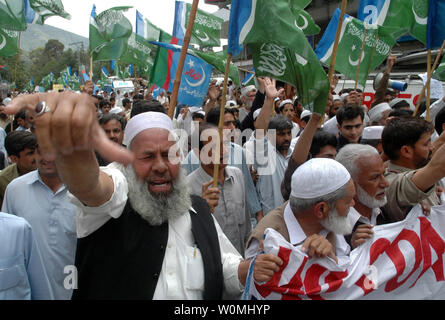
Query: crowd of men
105,197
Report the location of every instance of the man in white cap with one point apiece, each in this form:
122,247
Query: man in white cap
141,234
337,103
321,197
287,109
379,114
247,96
373,136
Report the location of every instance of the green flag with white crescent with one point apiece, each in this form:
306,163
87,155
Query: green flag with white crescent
12,15
219,61
109,34
280,50
404,16
48,8
8,42
439,73
303,19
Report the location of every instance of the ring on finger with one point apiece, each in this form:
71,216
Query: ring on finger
41,108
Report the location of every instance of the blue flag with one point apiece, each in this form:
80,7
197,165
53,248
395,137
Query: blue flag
112,65
104,71
369,10
240,16
436,24
250,77
30,14
178,24
195,78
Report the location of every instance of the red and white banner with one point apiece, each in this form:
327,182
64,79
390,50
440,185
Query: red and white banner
403,260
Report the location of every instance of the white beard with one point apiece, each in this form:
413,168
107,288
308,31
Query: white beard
337,224
157,209
369,201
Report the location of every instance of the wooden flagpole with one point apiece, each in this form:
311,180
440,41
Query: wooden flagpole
91,67
185,45
428,86
422,93
216,156
360,59
17,60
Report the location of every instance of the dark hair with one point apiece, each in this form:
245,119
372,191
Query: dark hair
320,140
196,115
125,101
138,97
439,120
112,116
104,102
17,141
349,112
401,104
403,131
280,122
401,113
202,127
282,107
142,106
213,115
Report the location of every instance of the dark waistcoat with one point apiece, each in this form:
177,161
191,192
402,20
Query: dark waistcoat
123,258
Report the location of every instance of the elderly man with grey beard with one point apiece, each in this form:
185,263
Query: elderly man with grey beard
141,234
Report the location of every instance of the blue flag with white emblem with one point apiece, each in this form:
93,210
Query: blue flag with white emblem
436,24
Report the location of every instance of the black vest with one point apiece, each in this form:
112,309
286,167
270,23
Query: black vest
123,258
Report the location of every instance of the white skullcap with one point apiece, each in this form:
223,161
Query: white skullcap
246,90
344,96
318,177
201,112
231,103
276,99
144,121
305,113
336,97
376,113
256,113
331,126
286,102
116,110
373,133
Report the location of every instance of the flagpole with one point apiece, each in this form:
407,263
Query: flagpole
185,45
245,70
17,60
422,93
221,122
428,86
91,67
360,59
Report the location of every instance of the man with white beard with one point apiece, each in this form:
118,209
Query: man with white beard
367,170
316,216
141,234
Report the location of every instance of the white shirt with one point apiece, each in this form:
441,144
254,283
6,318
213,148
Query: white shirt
180,277
297,236
355,216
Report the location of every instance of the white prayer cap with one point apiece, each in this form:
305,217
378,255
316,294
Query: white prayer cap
372,133
318,177
144,121
286,102
201,112
231,103
376,113
344,96
305,113
256,113
246,90
276,99
331,126
116,110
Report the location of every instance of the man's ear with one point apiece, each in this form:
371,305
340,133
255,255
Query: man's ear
14,159
321,210
407,152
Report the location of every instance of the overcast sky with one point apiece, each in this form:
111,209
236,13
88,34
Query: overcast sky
159,12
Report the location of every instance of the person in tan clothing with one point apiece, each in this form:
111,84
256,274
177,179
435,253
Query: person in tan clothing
415,165
21,147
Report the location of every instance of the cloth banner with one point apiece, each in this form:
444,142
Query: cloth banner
403,260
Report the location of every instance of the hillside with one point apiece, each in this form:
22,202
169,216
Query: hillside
37,35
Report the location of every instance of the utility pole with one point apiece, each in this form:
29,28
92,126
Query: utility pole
80,47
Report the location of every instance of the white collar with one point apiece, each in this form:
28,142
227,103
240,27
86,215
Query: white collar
355,216
296,233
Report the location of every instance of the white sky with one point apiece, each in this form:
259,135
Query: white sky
159,12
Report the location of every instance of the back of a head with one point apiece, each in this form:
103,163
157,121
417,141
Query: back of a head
142,106
350,153
280,122
403,131
401,113
320,140
439,121
349,112
17,141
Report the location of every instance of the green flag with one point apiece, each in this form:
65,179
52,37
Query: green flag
219,61
160,69
378,44
12,15
8,42
304,20
138,51
404,16
109,34
48,8
206,29
280,50
439,73
47,81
